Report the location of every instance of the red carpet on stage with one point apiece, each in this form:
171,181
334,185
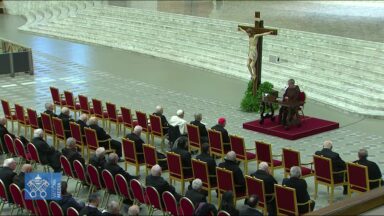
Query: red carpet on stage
309,126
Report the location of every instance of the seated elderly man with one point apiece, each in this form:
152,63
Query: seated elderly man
19,179
178,120
249,207
221,122
374,172
337,163
71,153
47,154
113,209
159,112
196,194
202,129
82,121
134,210
4,131
66,119
98,159
106,138
231,164
67,199
135,136
186,157
49,110
264,174
211,162
115,169
91,209
7,173
159,183
300,185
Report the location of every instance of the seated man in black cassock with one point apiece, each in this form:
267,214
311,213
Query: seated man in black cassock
82,121
207,158
66,119
186,157
221,122
291,95
374,172
113,167
71,152
202,129
47,154
4,131
164,122
231,164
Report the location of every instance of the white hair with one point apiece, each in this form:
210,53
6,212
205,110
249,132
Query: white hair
158,108
65,110
48,106
71,141
134,210
263,166
179,112
92,121
295,171
156,170
113,207
3,120
197,184
113,157
7,162
231,155
137,129
38,133
327,144
99,151
83,117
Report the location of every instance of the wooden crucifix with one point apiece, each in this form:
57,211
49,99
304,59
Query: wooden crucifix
255,52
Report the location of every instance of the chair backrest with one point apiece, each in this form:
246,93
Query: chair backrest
223,213
76,132
285,200
9,143
20,114
302,97
200,171
66,165
153,197
97,108
79,170
91,138
28,203
193,135
42,207
84,105
47,123
186,206
238,146
126,116
72,212
33,152
137,191
129,149
290,158
70,100
225,180
16,194
55,94
6,109
19,147
55,209
94,176
358,179
109,181
58,127
150,155
156,125
122,186
111,110
264,152
170,204
215,142
255,186
174,165
32,118
142,120
3,192
323,169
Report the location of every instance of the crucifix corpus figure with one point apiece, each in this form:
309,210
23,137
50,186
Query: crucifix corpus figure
255,35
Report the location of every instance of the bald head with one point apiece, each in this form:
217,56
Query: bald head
327,144
49,106
65,111
26,168
156,170
134,210
113,158
363,154
3,121
100,152
137,130
92,121
71,142
38,133
231,156
264,166
83,117
159,109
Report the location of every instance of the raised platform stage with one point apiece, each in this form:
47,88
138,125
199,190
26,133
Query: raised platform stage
310,126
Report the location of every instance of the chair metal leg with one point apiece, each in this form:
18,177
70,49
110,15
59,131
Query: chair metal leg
137,169
18,129
182,186
332,191
316,185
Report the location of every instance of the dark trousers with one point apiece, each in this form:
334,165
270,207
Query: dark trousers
286,114
53,160
271,205
115,145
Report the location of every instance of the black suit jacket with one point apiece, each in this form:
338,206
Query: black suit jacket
7,175
373,171
65,119
138,142
115,169
237,173
268,179
82,125
43,149
4,131
164,121
160,184
196,197
337,163
67,201
72,155
224,132
19,180
51,113
185,156
210,162
300,185
246,210
97,162
90,211
202,129
101,134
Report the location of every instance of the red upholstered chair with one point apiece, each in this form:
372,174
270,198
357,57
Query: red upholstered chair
176,170
71,102
143,122
67,168
84,104
256,186
42,207
138,192
9,113
93,142
122,187
216,143
264,153
57,98
225,182
80,176
21,153
98,110
72,212
94,179
17,197
29,205
35,159
47,126
150,157
223,213
286,202
193,137
358,178
76,134
157,129
200,171
127,120
110,186
55,209
3,196
59,131
186,207
154,199
325,176
302,98
131,156
33,120
113,117
170,205
292,158
238,146
9,143
22,120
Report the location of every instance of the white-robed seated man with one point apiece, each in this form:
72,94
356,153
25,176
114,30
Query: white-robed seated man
178,120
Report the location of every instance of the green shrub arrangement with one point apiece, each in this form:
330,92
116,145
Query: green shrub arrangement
251,103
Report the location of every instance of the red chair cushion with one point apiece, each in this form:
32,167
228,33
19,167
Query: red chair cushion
105,114
135,123
277,163
120,118
63,102
14,117
306,171
77,106
251,156
28,156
